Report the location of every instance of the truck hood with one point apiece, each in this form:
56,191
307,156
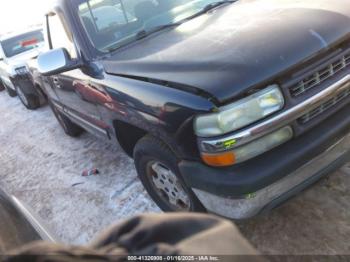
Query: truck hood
238,46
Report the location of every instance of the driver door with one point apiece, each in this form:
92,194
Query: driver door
73,88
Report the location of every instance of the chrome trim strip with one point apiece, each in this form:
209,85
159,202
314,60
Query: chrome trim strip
252,204
80,119
85,122
334,101
58,106
276,122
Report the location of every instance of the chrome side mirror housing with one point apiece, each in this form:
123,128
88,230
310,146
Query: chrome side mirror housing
56,61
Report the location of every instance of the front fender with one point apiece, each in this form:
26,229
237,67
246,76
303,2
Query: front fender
165,112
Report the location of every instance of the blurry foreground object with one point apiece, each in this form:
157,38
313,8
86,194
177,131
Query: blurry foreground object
19,225
155,235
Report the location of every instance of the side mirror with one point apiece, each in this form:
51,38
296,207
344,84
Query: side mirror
1,59
56,61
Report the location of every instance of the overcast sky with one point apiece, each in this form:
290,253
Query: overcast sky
19,14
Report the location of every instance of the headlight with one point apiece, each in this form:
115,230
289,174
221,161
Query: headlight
240,114
249,151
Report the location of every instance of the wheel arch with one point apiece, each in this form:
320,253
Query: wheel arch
128,135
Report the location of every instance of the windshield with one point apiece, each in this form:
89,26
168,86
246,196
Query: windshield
22,43
112,23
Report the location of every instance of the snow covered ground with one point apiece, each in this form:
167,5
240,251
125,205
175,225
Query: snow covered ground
42,167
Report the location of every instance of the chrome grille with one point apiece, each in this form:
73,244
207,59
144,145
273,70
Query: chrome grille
324,107
320,76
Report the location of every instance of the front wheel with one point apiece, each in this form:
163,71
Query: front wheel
157,168
30,101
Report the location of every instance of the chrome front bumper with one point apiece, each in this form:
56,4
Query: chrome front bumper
253,204
214,145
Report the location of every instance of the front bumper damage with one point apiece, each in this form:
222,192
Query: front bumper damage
273,195
246,189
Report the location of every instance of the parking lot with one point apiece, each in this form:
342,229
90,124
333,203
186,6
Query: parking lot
43,167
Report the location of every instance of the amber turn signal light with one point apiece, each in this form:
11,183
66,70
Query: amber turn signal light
219,160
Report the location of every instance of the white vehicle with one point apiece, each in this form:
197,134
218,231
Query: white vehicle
15,51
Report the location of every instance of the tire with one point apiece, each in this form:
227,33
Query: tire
71,129
2,87
151,154
10,92
44,99
30,101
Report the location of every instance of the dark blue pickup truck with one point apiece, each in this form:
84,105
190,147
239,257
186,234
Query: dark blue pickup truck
230,107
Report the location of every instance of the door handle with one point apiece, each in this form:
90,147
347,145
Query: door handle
56,81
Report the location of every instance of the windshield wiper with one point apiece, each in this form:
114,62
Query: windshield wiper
144,33
209,7
215,4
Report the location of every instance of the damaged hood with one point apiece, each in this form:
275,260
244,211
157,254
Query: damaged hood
238,46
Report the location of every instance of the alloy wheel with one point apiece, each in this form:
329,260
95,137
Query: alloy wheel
168,186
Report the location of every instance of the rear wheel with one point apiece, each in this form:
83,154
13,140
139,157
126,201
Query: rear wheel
157,168
10,91
70,128
30,101
2,87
